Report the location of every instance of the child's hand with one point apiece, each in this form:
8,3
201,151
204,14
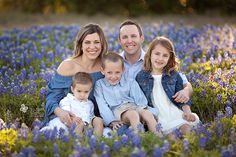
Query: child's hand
188,116
116,125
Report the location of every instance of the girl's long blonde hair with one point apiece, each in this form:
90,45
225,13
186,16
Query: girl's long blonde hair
173,63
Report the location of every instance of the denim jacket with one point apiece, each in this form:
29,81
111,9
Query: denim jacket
171,84
58,88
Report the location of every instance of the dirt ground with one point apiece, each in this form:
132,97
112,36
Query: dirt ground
20,20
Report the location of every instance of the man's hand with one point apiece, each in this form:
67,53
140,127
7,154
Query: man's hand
181,96
116,125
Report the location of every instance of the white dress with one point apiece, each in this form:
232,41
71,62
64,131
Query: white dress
170,116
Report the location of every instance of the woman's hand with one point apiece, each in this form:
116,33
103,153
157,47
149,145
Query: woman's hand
116,125
76,120
65,116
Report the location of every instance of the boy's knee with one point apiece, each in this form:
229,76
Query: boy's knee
131,114
146,114
97,121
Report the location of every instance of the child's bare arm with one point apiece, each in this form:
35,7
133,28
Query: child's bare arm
188,115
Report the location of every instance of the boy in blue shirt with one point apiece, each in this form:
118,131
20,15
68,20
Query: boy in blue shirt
120,100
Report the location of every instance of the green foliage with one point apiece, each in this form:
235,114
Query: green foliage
122,7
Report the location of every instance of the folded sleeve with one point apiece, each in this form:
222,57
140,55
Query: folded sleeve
57,89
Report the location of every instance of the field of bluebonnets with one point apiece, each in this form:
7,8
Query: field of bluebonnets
29,58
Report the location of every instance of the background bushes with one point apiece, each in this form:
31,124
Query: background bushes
121,7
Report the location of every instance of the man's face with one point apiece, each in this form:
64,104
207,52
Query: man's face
130,39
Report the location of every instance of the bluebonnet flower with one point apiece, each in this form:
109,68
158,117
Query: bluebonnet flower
157,152
136,141
55,150
23,131
226,153
93,142
202,142
138,153
28,151
140,128
105,149
177,134
116,145
89,132
219,115
159,127
35,134
124,140
186,145
165,147
72,131
219,129
229,112
43,92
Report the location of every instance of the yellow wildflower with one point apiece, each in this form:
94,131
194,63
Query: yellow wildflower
234,120
7,139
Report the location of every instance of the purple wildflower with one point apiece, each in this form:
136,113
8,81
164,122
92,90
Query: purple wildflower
157,152
138,153
158,127
116,146
229,112
93,142
124,140
219,129
219,115
186,145
136,141
28,151
166,146
55,150
177,134
202,142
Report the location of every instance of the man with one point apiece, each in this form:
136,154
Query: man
131,38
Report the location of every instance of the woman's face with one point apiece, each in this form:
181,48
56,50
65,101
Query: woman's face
91,46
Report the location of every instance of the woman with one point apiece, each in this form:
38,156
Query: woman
89,47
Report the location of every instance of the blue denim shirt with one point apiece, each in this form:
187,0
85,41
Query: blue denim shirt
171,84
58,88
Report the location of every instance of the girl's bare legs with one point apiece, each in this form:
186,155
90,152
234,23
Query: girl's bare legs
149,119
185,128
97,124
131,117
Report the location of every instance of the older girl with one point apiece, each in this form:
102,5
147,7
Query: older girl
160,81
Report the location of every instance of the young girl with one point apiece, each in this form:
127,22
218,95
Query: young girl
160,81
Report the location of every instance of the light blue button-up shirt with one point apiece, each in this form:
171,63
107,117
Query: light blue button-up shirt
109,97
131,70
